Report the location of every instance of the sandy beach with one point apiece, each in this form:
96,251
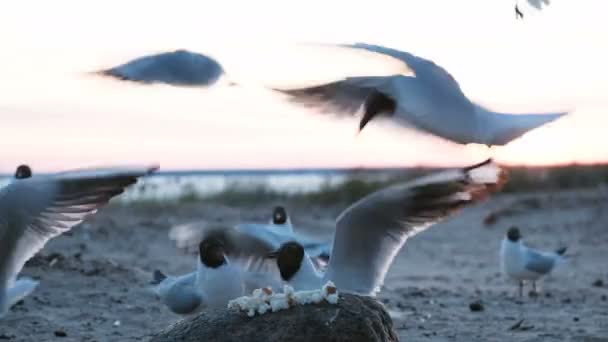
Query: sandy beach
94,279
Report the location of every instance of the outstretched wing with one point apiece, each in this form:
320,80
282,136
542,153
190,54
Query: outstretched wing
178,68
246,250
35,210
371,232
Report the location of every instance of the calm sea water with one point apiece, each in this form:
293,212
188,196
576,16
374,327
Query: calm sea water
172,185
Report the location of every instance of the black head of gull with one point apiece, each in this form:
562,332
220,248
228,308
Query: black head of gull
289,259
513,234
211,252
23,171
279,215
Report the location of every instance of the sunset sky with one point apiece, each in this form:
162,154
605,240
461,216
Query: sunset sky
55,116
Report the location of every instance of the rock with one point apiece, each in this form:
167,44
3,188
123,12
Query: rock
353,318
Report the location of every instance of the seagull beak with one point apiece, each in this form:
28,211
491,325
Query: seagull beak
366,118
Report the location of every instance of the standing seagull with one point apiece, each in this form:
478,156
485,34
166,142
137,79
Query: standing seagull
178,68
526,264
37,209
431,102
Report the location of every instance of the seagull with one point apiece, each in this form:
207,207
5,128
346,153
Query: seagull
538,4
526,264
178,68
23,171
222,274
280,219
36,209
370,233
274,233
431,101
281,230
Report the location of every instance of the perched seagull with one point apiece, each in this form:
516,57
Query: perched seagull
222,274
526,264
37,209
538,4
23,171
179,68
370,233
431,102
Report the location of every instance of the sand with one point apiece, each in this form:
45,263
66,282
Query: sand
94,280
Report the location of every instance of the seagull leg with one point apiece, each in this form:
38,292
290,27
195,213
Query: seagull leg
521,288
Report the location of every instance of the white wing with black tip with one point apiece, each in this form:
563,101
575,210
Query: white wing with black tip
371,232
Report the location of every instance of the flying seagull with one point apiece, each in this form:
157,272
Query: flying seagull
178,68
431,102
370,233
34,210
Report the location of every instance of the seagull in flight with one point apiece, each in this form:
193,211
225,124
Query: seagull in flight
179,68
371,232
429,100
34,210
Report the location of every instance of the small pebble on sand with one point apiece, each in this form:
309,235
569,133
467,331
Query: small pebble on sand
476,306
60,333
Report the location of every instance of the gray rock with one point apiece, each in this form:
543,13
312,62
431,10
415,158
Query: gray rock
353,319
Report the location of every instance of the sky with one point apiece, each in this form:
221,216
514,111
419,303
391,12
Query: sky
55,116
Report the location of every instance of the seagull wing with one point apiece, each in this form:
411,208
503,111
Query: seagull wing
179,68
370,233
35,210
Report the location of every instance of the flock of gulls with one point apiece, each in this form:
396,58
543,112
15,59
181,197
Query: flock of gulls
235,261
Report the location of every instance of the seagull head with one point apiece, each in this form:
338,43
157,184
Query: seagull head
279,215
513,234
211,252
23,171
289,259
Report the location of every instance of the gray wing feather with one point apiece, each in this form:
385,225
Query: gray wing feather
179,68
341,98
244,249
371,232
539,262
538,4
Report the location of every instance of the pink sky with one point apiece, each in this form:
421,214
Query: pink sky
54,117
